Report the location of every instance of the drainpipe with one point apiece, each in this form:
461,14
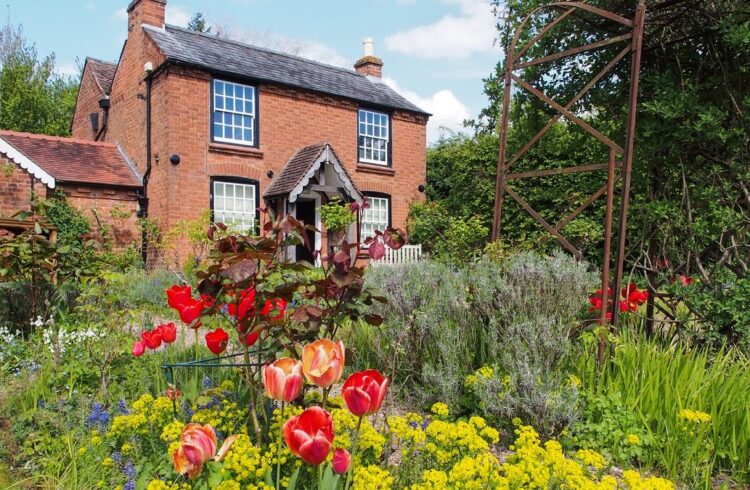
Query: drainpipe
149,68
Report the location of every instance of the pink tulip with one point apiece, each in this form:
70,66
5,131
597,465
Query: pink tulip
139,347
197,447
283,379
323,362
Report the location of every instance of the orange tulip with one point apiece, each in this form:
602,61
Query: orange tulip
197,447
283,379
323,362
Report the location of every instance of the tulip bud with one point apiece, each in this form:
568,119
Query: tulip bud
342,460
139,347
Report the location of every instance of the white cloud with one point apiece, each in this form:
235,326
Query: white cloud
448,113
177,16
452,37
68,69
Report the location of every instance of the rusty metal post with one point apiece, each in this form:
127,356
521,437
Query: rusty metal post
503,143
607,256
627,166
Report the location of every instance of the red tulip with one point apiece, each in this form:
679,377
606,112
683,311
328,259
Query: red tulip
190,312
168,332
217,341
245,306
152,339
139,347
276,304
364,392
323,362
179,295
341,461
310,435
684,280
283,379
249,339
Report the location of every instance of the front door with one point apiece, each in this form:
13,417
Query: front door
306,214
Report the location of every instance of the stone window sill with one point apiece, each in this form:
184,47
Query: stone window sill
235,150
375,169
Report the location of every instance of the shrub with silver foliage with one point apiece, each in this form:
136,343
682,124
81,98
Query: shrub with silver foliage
443,323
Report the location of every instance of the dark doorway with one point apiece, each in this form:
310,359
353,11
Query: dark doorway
306,214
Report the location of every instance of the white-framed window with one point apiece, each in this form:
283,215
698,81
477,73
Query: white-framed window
377,216
374,135
234,203
234,112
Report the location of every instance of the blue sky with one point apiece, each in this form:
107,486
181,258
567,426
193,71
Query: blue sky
435,52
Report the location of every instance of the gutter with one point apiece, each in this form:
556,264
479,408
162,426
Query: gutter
143,197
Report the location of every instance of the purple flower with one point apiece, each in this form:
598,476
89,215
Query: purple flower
129,470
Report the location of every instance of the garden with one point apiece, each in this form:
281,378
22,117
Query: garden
243,370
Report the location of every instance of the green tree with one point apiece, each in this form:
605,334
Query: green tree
33,97
690,211
198,23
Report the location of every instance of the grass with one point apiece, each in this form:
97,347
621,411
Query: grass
657,382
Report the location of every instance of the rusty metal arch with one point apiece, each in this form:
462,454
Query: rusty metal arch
634,47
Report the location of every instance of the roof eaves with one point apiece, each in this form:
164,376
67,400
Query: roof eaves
26,163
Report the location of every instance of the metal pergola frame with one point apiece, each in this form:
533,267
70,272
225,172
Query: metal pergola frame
620,157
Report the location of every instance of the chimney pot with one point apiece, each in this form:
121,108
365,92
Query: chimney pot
369,64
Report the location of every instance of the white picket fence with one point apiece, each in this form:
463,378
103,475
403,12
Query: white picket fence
405,254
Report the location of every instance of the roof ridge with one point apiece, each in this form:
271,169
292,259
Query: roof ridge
64,139
259,48
103,62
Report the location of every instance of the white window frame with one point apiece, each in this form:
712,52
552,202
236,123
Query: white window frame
377,128
248,200
234,113
370,221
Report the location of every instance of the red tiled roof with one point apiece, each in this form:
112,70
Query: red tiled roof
104,73
75,160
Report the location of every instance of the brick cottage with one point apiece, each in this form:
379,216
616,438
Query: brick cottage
210,123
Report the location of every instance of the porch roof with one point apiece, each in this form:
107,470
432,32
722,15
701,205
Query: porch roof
296,174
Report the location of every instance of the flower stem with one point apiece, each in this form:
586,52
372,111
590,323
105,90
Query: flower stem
355,447
278,450
325,397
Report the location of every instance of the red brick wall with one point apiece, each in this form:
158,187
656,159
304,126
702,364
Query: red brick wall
15,188
288,120
113,209
89,95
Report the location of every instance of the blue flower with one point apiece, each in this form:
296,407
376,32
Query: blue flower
122,407
117,457
98,418
129,485
129,470
207,383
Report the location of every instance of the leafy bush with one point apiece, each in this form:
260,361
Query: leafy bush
609,426
444,236
442,324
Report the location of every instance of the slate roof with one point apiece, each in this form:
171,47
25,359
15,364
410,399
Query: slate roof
104,73
233,58
75,161
296,168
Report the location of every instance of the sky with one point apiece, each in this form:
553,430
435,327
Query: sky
435,52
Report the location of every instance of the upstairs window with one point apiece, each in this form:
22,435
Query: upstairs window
374,135
234,113
377,217
234,202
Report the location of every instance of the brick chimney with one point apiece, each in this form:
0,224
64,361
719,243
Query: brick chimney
369,64
151,12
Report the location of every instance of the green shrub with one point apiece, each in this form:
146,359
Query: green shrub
609,426
445,237
443,323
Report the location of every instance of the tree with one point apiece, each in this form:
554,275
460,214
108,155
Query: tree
33,97
198,23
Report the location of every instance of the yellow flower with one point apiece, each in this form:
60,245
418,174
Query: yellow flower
440,409
694,416
633,439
